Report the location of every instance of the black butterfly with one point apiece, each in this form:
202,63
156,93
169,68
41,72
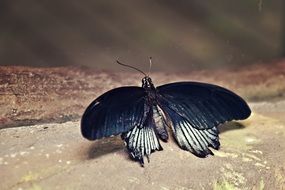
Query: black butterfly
142,115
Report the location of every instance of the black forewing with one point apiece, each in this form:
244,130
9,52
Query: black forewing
203,105
114,112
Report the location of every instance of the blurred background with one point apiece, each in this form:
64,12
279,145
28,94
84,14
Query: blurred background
179,35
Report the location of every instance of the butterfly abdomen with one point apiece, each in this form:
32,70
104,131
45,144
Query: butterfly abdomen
160,122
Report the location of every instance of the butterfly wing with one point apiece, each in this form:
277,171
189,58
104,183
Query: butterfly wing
116,111
196,109
204,105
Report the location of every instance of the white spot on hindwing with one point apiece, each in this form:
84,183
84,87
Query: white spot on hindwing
96,103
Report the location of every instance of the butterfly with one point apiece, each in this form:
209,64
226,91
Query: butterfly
143,115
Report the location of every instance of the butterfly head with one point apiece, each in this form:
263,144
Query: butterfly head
147,83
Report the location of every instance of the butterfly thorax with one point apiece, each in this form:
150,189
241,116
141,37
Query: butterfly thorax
149,88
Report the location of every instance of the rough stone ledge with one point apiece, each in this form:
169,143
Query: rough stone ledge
42,95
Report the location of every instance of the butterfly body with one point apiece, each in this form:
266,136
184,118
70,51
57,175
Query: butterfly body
142,115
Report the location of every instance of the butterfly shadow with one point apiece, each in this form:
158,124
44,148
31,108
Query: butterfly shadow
105,146
229,126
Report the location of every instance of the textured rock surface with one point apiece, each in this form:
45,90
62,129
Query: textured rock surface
54,155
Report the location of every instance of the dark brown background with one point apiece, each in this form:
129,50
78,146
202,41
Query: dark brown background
180,35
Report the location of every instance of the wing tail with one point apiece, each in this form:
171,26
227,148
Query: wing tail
142,141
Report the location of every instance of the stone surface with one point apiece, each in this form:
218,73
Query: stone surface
55,156
51,153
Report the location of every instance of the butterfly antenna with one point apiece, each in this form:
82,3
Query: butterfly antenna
131,67
150,64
